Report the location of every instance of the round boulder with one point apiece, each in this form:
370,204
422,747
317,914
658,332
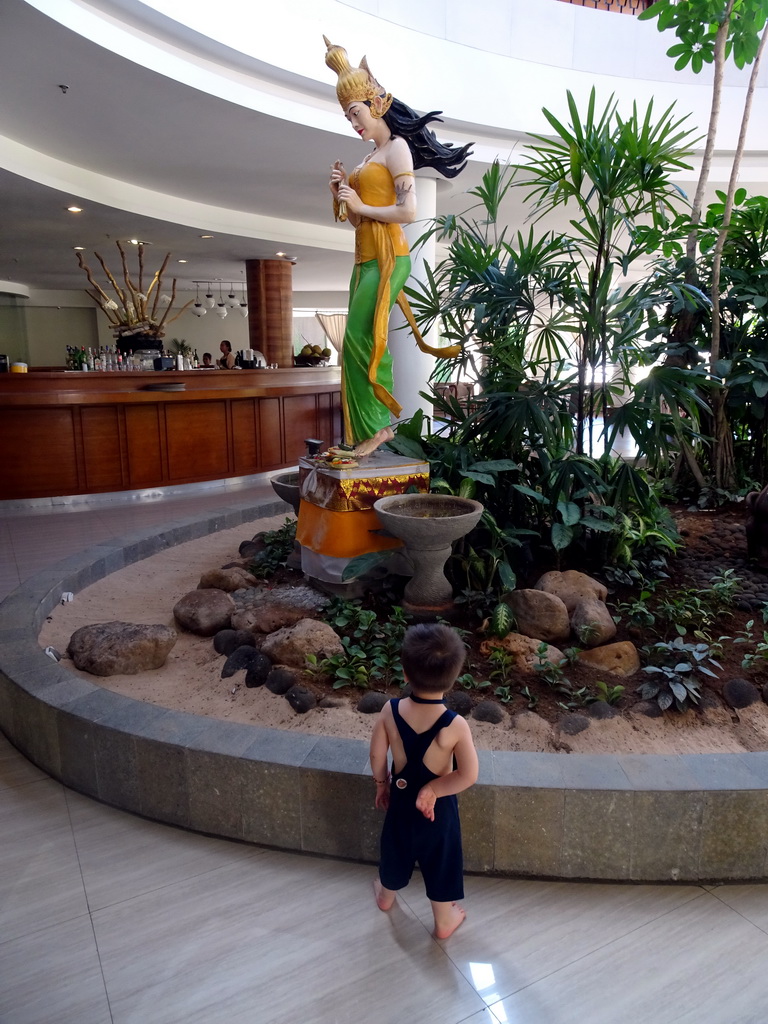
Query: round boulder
291,645
204,612
539,615
571,587
572,725
301,699
258,670
241,660
740,693
460,702
229,580
488,711
120,648
371,702
280,680
228,640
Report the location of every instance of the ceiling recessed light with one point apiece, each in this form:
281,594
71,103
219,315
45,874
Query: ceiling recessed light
182,261
78,248
279,254
206,236
75,209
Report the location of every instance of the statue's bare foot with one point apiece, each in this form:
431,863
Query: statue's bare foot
372,443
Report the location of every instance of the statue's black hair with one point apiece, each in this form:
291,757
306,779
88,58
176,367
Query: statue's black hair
425,148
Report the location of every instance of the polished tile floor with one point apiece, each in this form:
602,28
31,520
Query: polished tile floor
105,917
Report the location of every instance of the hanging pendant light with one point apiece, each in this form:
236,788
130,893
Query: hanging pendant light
221,306
243,305
198,309
232,298
210,302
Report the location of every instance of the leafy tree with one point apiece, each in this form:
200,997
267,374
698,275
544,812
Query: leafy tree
708,32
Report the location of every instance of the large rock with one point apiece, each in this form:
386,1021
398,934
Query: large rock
592,623
620,659
229,580
291,645
204,612
571,587
539,614
120,648
524,651
265,610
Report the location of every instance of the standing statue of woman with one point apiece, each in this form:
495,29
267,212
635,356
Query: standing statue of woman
378,198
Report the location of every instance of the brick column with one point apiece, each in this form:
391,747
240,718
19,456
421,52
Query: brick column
270,309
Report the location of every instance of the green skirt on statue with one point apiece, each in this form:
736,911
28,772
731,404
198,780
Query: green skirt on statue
364,413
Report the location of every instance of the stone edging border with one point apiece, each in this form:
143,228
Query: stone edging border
642,818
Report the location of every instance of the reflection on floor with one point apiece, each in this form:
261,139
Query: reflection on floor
105,917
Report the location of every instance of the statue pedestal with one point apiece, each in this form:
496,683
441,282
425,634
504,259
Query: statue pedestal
337,521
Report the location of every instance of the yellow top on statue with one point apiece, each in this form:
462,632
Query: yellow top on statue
373,183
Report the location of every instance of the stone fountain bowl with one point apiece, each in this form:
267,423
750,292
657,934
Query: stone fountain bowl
286,486
428,520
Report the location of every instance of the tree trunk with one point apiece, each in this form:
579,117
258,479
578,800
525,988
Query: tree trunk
709,147
725,471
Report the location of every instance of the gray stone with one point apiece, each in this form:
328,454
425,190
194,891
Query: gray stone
601,709
740,693
649,708
290,646
268,609
488,711
539,614
241,659
258,670
301,699
372,702
228,640
120,648
251,548
572,725
280,679
460,702
228,580
204,612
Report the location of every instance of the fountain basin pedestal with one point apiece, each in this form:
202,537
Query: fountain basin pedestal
428,524
336,517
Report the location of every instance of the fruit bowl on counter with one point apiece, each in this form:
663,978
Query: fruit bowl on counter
312,355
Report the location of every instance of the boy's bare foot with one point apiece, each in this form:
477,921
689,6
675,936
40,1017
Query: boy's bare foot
450,919
385,898
372,443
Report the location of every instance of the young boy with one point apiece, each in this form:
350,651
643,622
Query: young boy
433,759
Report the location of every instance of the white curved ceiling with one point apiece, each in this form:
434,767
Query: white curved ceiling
217,142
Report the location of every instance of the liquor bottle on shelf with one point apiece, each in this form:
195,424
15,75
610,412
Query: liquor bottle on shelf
83,358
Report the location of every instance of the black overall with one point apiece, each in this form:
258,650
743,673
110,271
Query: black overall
408,837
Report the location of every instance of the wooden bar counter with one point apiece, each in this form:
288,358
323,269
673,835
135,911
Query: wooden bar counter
65,433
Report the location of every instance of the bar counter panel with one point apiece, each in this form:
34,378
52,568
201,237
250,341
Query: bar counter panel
85,433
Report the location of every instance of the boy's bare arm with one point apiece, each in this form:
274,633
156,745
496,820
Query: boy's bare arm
464,775
379,764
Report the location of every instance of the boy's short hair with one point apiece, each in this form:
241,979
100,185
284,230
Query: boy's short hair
432,656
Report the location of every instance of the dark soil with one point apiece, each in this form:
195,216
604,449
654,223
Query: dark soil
714,542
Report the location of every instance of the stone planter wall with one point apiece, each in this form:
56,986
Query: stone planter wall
619,818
